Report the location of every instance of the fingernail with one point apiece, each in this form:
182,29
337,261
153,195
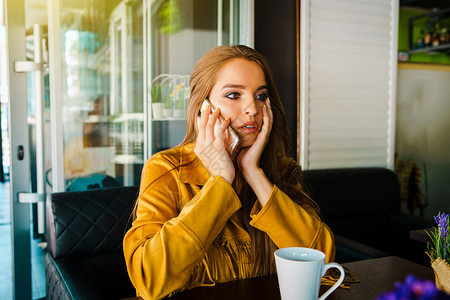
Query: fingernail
217,109
265,107
227,118
268,99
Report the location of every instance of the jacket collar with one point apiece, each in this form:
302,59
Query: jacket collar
192,170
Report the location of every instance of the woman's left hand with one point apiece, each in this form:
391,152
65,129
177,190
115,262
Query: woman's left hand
248,158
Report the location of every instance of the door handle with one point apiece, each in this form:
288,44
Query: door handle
37,67
27,66
30,198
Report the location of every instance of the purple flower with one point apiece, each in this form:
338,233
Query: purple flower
442,221
414,289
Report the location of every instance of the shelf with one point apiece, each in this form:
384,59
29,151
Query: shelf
423,67
430,18
431,50
170,119
442,13
127,159
124,117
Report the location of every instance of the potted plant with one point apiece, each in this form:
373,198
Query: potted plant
439,252
168,104
179,111
157,104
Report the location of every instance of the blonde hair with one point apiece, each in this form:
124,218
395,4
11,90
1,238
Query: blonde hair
284,173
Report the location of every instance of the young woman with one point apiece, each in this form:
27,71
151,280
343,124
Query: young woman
207,215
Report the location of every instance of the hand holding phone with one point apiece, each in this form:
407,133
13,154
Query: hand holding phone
231,138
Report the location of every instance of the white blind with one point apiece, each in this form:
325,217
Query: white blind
348,76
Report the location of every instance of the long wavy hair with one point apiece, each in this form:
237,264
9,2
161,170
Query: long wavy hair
287,176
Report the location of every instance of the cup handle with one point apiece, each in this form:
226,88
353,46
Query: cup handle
336,285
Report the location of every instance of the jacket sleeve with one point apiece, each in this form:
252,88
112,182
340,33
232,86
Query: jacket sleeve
291,225
165,244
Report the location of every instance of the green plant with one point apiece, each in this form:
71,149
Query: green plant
440,240
178,95
170,17
180,101
156,93
166,97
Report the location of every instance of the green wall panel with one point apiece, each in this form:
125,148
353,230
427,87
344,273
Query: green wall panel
419,25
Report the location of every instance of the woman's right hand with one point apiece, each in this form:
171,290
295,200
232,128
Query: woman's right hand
210,146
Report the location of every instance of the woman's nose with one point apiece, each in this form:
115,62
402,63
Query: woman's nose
250,107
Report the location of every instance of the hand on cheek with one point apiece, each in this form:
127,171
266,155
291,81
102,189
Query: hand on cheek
248,158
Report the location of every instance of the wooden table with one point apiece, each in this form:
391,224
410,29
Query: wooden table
379,275
376,276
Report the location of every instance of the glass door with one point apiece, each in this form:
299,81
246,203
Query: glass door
120,80
98,92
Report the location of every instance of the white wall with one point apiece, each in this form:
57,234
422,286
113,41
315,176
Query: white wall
423,131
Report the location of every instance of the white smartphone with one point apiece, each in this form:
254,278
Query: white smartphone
231,139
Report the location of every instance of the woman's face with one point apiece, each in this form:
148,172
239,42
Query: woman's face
240,91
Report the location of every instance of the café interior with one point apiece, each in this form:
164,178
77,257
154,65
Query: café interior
90,89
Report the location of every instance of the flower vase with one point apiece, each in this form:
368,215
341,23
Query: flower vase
157,109
178,113
442,274
168,112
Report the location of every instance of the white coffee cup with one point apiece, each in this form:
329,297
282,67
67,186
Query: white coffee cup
300,271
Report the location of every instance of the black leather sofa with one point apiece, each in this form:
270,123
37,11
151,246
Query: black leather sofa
85,229
84,242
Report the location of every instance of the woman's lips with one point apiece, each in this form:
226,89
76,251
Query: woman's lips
249,127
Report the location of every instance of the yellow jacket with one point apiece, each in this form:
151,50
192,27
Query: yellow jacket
186,233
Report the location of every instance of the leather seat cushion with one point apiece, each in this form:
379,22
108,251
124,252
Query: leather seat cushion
101,276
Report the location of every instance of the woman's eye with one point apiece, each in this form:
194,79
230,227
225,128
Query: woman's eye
262,97
232,95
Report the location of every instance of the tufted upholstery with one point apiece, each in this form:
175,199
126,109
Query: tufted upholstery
84,234
56,288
